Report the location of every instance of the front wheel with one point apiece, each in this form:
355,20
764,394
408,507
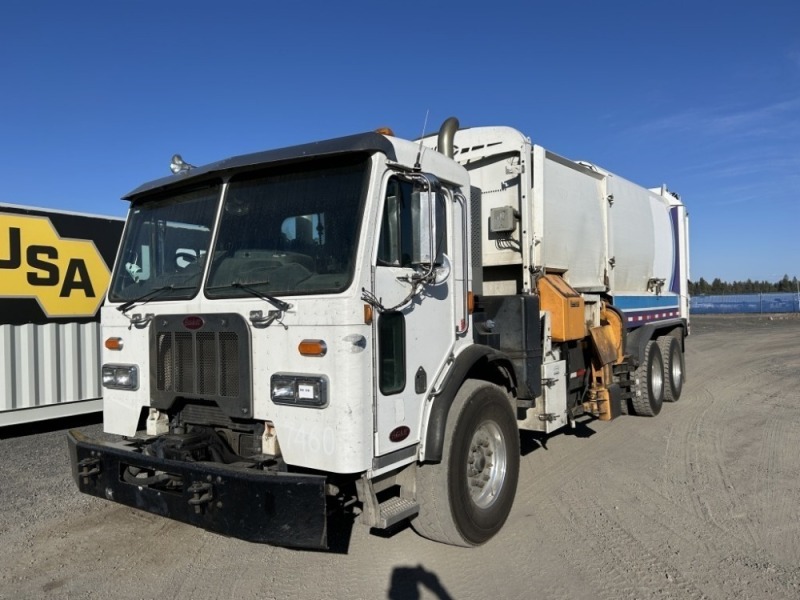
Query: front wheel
467,497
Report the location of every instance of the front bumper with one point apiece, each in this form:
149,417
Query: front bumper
285,509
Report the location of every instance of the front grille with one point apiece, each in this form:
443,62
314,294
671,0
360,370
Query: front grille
208,351
205,413
229,363
205,363
210,363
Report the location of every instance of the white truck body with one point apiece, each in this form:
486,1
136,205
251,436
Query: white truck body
604,233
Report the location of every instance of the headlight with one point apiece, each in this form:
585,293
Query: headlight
299,390
121,377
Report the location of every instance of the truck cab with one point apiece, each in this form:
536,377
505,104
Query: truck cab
299,305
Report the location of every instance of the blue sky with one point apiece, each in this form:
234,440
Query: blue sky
701,95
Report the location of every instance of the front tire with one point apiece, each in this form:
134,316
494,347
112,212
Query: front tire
467,497
648,382
674,374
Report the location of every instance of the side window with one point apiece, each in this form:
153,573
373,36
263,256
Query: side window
392,352
401,219
394,248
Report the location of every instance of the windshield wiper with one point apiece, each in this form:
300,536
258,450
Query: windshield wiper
151,295
277,303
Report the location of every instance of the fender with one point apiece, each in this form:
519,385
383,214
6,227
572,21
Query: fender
479,361
621,316
636,339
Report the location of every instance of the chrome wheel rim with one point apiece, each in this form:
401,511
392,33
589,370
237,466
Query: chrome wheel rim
657,378
676,370
486,464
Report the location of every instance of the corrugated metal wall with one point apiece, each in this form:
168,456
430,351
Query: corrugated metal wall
777,302
49,364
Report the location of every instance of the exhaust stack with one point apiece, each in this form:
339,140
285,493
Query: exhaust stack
447,133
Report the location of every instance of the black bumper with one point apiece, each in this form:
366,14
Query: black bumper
284,509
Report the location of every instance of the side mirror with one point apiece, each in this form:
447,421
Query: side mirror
423,228
442,271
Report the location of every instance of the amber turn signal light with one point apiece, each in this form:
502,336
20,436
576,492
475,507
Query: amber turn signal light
114,343
313,348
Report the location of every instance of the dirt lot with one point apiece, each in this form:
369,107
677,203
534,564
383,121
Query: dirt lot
701,502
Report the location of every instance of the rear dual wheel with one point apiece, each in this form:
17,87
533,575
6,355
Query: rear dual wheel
648,382
674,374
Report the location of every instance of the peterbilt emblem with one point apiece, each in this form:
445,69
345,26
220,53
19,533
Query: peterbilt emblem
398,434
193,322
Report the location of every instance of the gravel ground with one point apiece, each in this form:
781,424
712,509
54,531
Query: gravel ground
702,501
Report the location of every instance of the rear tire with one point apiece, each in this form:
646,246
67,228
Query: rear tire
674,374
648,382
467,497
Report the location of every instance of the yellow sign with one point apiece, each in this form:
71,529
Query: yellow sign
68,277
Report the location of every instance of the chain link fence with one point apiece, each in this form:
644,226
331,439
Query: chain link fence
786,302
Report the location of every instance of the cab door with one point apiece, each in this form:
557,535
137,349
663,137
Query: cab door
416,323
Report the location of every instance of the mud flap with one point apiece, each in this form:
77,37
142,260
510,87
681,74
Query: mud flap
284,509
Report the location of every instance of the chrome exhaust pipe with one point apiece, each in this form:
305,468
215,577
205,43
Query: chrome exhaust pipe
447,133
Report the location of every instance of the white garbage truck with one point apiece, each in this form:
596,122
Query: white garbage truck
364,324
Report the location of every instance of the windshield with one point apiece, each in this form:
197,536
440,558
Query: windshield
165,245
290,232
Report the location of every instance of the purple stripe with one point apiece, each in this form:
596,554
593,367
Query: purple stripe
640,317
675,287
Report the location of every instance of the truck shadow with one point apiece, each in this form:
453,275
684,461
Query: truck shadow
340,530
530,441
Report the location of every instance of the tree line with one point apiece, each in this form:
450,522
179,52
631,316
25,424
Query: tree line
716,287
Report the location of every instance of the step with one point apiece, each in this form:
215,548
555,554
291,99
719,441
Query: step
395,510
